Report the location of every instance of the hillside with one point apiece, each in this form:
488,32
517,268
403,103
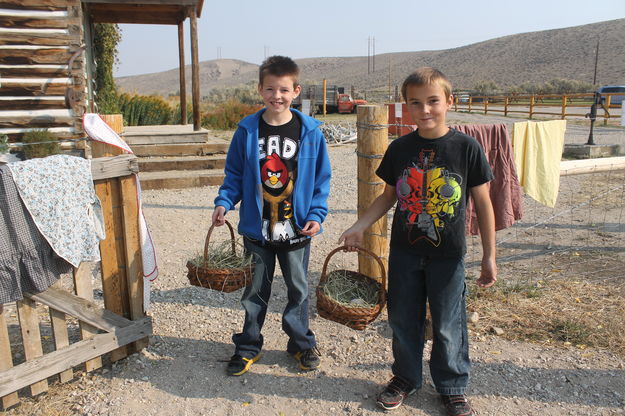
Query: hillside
510,60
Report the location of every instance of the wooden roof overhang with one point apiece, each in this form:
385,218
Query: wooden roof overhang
161,12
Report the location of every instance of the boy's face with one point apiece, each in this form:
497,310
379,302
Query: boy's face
278,93
428,105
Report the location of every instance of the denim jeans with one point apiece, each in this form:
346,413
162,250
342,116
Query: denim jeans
294,265
413,281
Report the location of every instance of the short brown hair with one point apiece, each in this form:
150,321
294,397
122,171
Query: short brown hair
279,66
426,76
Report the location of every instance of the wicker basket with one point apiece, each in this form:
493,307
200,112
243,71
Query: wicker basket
223,280
353,317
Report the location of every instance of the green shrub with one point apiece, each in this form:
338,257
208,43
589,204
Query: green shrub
227,115
142,110
177,116
47,144
4,143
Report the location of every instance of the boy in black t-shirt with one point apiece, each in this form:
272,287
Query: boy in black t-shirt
278,168
430,174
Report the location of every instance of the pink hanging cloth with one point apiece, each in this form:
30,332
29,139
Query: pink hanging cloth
505,192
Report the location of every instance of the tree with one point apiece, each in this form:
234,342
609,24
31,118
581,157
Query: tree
486,87
105,40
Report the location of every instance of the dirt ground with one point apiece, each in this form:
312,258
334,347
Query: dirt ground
182,370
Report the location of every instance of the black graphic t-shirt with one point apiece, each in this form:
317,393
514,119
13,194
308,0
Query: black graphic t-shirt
432,178
278,148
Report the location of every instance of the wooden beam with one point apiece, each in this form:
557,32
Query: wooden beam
36,4
136,13
31,372
6,360
80,308
114,166
47,56
42,39
29,104
195,74
19,22
183,82
33,90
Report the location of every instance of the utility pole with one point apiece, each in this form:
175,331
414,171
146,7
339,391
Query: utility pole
373,56
594,78
389,78
369,55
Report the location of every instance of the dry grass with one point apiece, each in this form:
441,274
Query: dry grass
220,256
558,311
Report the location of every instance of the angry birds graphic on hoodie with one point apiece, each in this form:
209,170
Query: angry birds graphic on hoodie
278,184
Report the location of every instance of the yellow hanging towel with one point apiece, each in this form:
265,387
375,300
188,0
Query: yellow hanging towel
537,153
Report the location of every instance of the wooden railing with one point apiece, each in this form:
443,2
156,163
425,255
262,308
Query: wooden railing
552,105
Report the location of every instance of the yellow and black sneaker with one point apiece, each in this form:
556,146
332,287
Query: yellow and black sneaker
308,359
239,365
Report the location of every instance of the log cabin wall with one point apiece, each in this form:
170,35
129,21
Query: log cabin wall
42,68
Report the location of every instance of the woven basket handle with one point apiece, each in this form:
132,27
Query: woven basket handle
324,277
208,237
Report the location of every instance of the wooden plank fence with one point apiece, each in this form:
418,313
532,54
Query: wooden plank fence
119,328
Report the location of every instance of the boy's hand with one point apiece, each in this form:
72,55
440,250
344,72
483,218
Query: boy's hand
488,274
353,238
311,228
219,216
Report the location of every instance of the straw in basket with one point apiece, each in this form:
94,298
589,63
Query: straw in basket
353,316
220,279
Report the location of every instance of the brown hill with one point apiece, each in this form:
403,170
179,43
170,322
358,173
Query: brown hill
534,57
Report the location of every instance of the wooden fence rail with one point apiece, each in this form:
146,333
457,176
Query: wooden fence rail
538,104
119,328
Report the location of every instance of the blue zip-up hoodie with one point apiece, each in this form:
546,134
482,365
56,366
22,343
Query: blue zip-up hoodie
242,181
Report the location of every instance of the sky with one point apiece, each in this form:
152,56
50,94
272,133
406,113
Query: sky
250,30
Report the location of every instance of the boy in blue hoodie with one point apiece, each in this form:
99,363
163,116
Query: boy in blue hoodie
278,168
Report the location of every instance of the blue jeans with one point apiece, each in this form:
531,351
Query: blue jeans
294,265
413,281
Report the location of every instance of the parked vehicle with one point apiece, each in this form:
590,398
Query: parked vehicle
336,99
614,99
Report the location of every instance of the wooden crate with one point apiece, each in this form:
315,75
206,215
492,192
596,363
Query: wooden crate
118,327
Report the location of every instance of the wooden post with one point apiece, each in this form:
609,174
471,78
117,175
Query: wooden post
606,110
371,144
195,73
98,149
470,103
183,82
486,105
532,101
505,106
563,114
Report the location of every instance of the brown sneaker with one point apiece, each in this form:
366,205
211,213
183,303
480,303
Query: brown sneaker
457,405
